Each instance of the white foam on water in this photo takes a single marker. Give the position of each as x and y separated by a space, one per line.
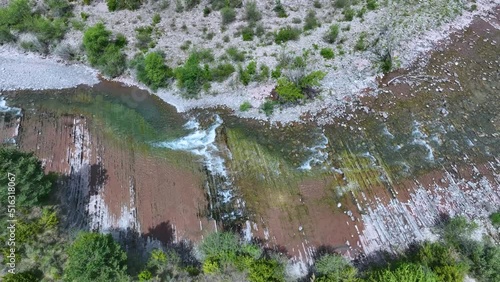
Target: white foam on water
420 138
318 155
6 109
200 142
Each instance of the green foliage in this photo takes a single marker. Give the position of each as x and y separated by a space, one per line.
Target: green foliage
264 73
317 4
103 52
252 13
310 21
5 35
221 246
31 183
26 276
335 268
47 30
285 34
342 3
235 54
206 11
268 107
288 91
59 8
219 4
276 73
15 15
191 76
266 270
406 272
495 218
247 33
156 19
190 4
154 72
143 36
222 71
145 275
311 80
211 266
386 63
371 4
115 5
327 53
245 106
456 230
228 15
361 44
249 73
348 14
332 34
95 257
279 9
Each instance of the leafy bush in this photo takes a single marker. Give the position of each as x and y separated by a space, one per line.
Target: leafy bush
59 8
145 275
248 74
266 270
153 71
6 36
245 106
276 73
25 276
279 9
235 54
264 73
332 34
348 14
252 13
404 272
310 21
95 257
191 76
495 218
286 34
221 72
47 30
190 4
102 51
361 44
32 185
219 4
228 15
386 63
247 33
211 266
371 4
143 36
114 5
156 19
327 53
288 91
15 15
336 268
342 3
221 246
268 108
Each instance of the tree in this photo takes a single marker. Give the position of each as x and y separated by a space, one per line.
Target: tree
24 172
406 272
335 268
95 257
157 72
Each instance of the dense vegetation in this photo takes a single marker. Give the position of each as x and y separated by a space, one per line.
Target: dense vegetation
46 251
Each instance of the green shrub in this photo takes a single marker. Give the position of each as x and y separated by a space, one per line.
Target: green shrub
6 36
222 71
361 12
371 4
268 108
219 4
95 257
47 30
145 275
248 74
15 15
153 71
310 21
286 34
191 76
348 14
156 19
276 73
404 272
266 270
317 4
114 5
220 246
59 8
279 9
235 54
190 4
495 218
206 11
102 51
252 13
247 33
327 53
84 16
32 185
342 3
332 34
204 55
264 73
288 91
245 106
143 36
228 15
25 276
361 44
335 267
386 63
211 266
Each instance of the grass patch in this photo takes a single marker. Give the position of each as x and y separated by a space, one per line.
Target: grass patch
285 34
